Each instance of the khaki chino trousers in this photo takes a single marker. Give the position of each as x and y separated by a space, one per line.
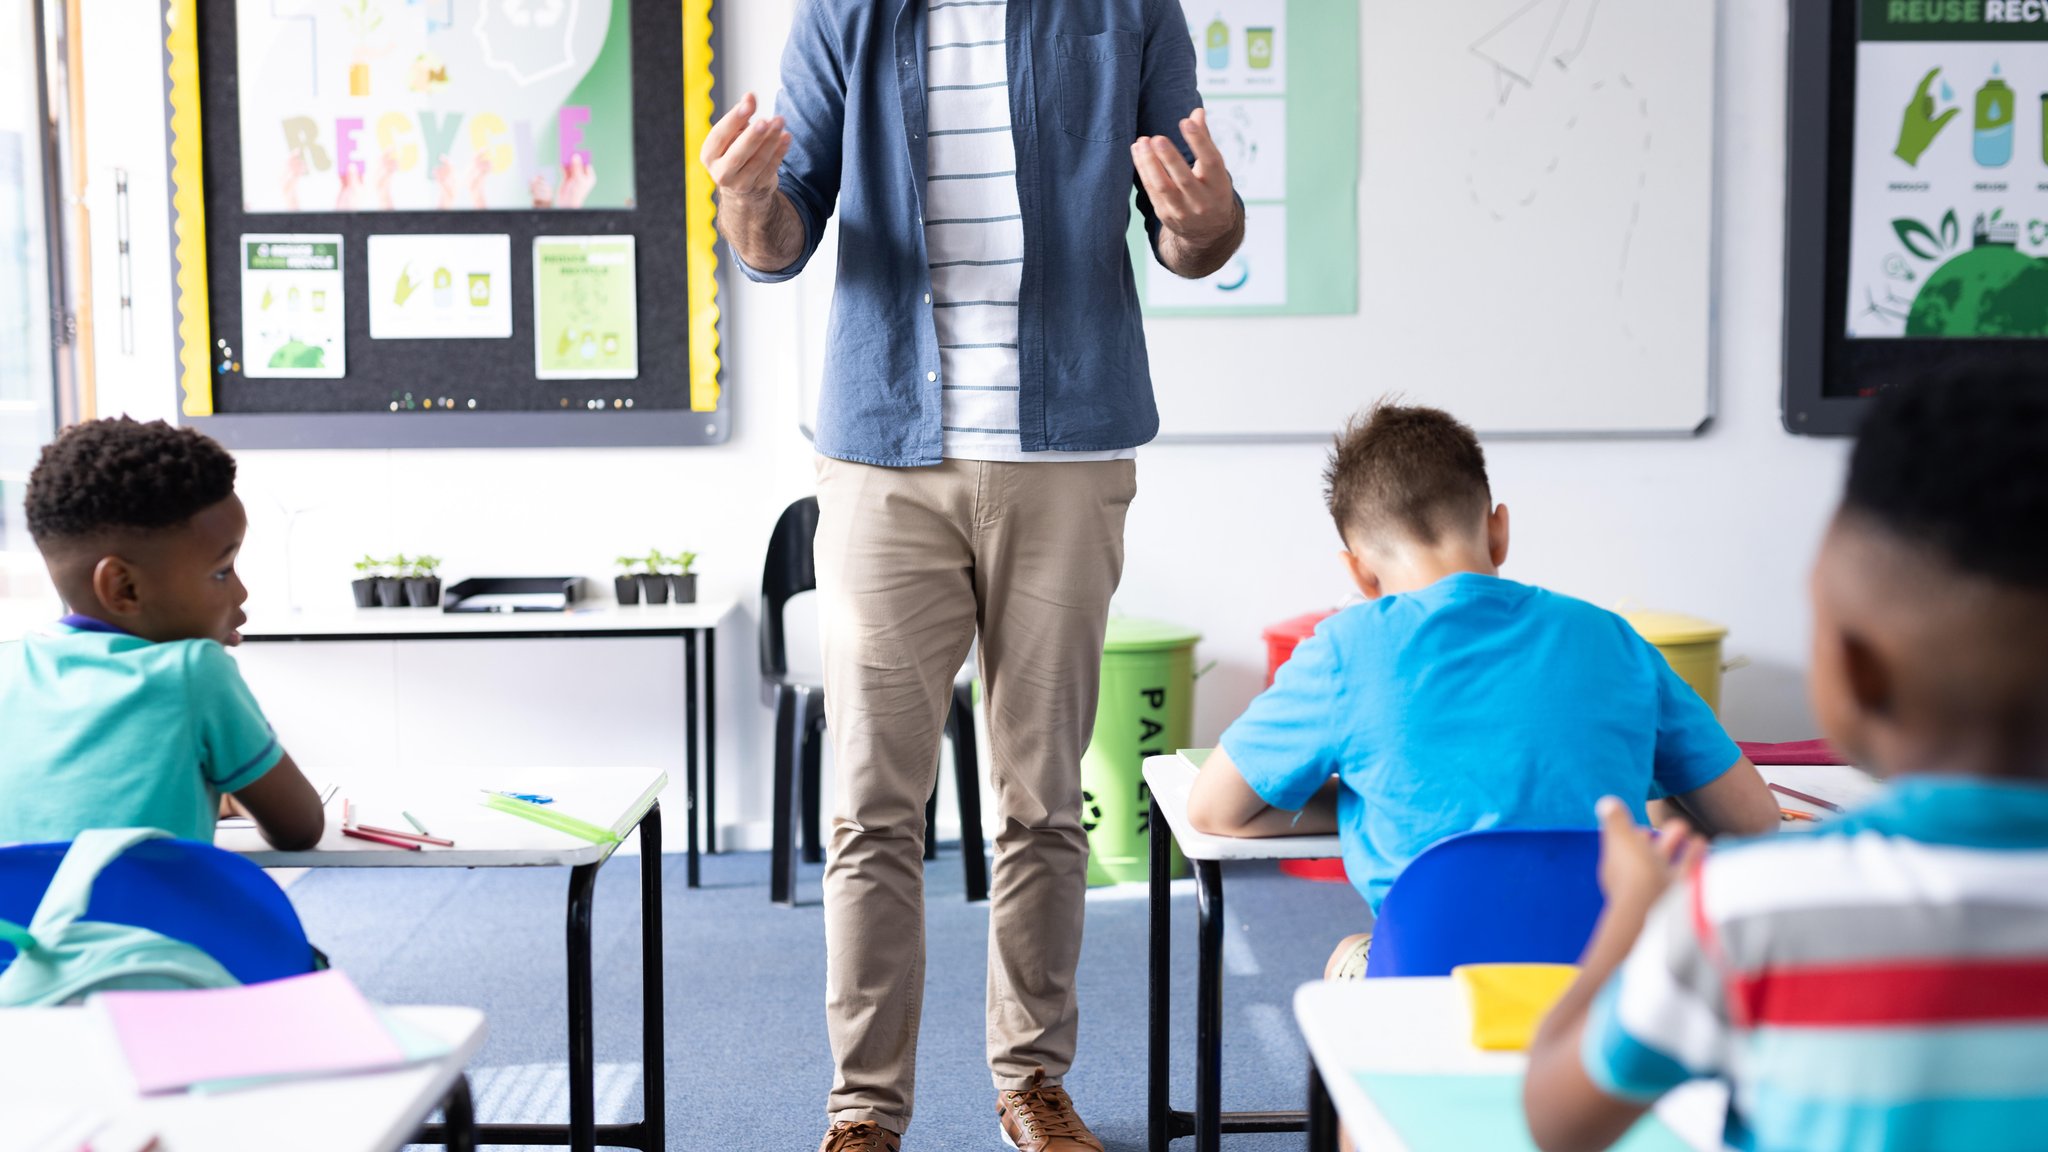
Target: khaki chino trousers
914 564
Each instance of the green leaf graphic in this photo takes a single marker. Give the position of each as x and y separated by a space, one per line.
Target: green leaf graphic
1950 230
1917 239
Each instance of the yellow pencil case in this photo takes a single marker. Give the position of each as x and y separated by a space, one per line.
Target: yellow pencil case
1508 1001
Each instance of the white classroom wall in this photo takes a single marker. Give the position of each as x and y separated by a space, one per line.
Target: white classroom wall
1224 538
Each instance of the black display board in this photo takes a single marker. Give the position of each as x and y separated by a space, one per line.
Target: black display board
1930 119
398 392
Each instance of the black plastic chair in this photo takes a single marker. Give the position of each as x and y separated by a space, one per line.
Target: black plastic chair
800 724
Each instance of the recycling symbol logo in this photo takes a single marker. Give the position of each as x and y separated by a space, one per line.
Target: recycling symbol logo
527 40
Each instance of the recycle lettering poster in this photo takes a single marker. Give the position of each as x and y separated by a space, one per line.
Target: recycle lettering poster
1949 197
435 105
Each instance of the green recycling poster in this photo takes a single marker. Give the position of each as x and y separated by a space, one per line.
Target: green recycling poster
586 320
1280 82
1949 197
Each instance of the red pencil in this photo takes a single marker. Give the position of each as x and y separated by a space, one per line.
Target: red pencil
407 835
1797 795
394 841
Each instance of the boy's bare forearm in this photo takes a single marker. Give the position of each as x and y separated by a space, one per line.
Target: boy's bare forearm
764 229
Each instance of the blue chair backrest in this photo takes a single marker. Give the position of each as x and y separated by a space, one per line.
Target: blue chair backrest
209 898
1497 897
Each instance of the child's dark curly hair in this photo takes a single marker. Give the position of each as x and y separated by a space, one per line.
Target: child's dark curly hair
1959 465
120 473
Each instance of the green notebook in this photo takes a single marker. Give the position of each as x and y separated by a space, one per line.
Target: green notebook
1463 1113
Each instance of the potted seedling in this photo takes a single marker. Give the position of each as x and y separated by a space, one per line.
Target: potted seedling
390 586
365 584
653 585
682 581
423 582
625 587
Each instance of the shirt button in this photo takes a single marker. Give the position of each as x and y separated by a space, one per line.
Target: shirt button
906 61
930 376
927 297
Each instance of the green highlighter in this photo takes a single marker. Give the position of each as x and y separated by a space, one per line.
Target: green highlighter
549 818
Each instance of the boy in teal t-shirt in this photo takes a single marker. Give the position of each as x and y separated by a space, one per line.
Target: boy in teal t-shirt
129 712
1453 700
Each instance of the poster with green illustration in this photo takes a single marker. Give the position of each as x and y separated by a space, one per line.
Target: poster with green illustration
1948 233
1280 85
294 325
436 105
586 320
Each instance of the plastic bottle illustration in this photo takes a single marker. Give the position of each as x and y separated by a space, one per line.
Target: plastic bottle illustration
1219 43
1994 122
444 288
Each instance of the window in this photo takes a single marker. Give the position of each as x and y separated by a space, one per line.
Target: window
36 329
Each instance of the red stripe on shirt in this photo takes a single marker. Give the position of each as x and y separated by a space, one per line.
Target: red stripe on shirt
1951 992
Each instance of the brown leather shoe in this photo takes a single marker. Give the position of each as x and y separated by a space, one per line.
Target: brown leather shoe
1041 1119
859 1136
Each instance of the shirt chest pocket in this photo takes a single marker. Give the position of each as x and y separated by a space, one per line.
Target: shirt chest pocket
1099 85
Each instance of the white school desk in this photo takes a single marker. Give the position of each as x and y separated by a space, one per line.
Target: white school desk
1420 1026
1169 779
449 804
592 620
62 1074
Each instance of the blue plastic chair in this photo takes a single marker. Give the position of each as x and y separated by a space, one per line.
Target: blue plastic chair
1496 897
209 898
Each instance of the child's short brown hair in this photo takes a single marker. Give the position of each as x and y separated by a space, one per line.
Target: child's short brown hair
1412 472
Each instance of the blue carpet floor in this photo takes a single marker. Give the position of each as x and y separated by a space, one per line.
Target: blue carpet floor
748 1066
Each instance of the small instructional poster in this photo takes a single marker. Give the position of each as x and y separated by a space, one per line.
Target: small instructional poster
452 287
1279 80
293 323
586 319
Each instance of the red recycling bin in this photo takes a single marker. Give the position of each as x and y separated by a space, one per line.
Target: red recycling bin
1280 641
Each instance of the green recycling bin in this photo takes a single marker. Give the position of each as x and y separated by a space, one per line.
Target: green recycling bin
1146 708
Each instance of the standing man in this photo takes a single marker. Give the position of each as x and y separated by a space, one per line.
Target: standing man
985 391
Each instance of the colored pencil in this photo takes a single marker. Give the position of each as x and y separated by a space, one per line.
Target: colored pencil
1781 790
393 841
406 835
415 822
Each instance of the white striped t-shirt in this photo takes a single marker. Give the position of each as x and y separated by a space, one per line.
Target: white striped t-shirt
974 232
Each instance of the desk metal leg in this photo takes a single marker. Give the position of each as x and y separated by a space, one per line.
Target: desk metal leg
690 757
653 1060
1322 1115
711 741
460 1114
1158 1061
1209 1006
582 1047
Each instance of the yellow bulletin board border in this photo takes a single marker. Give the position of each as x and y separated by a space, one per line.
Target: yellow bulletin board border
188 207
700 211
188 214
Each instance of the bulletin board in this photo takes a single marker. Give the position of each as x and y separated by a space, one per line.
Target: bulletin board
1917 200
445 223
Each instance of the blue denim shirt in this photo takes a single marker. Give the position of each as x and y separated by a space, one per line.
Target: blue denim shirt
1087 78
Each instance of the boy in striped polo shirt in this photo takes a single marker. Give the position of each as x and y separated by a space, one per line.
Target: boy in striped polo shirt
1881 983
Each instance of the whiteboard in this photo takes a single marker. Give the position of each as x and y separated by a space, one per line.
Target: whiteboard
1535 244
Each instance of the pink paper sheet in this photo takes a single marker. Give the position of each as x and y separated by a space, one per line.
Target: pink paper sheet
309 1025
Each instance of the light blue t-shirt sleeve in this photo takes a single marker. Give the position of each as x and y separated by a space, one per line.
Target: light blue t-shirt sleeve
1287 742
1693 750
236 745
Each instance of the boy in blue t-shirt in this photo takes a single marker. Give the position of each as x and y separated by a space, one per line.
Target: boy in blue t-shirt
1453 700
130 713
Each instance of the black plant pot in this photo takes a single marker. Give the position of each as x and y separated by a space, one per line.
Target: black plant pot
653 589
390 592
365 591
423 591
626 589
684 588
